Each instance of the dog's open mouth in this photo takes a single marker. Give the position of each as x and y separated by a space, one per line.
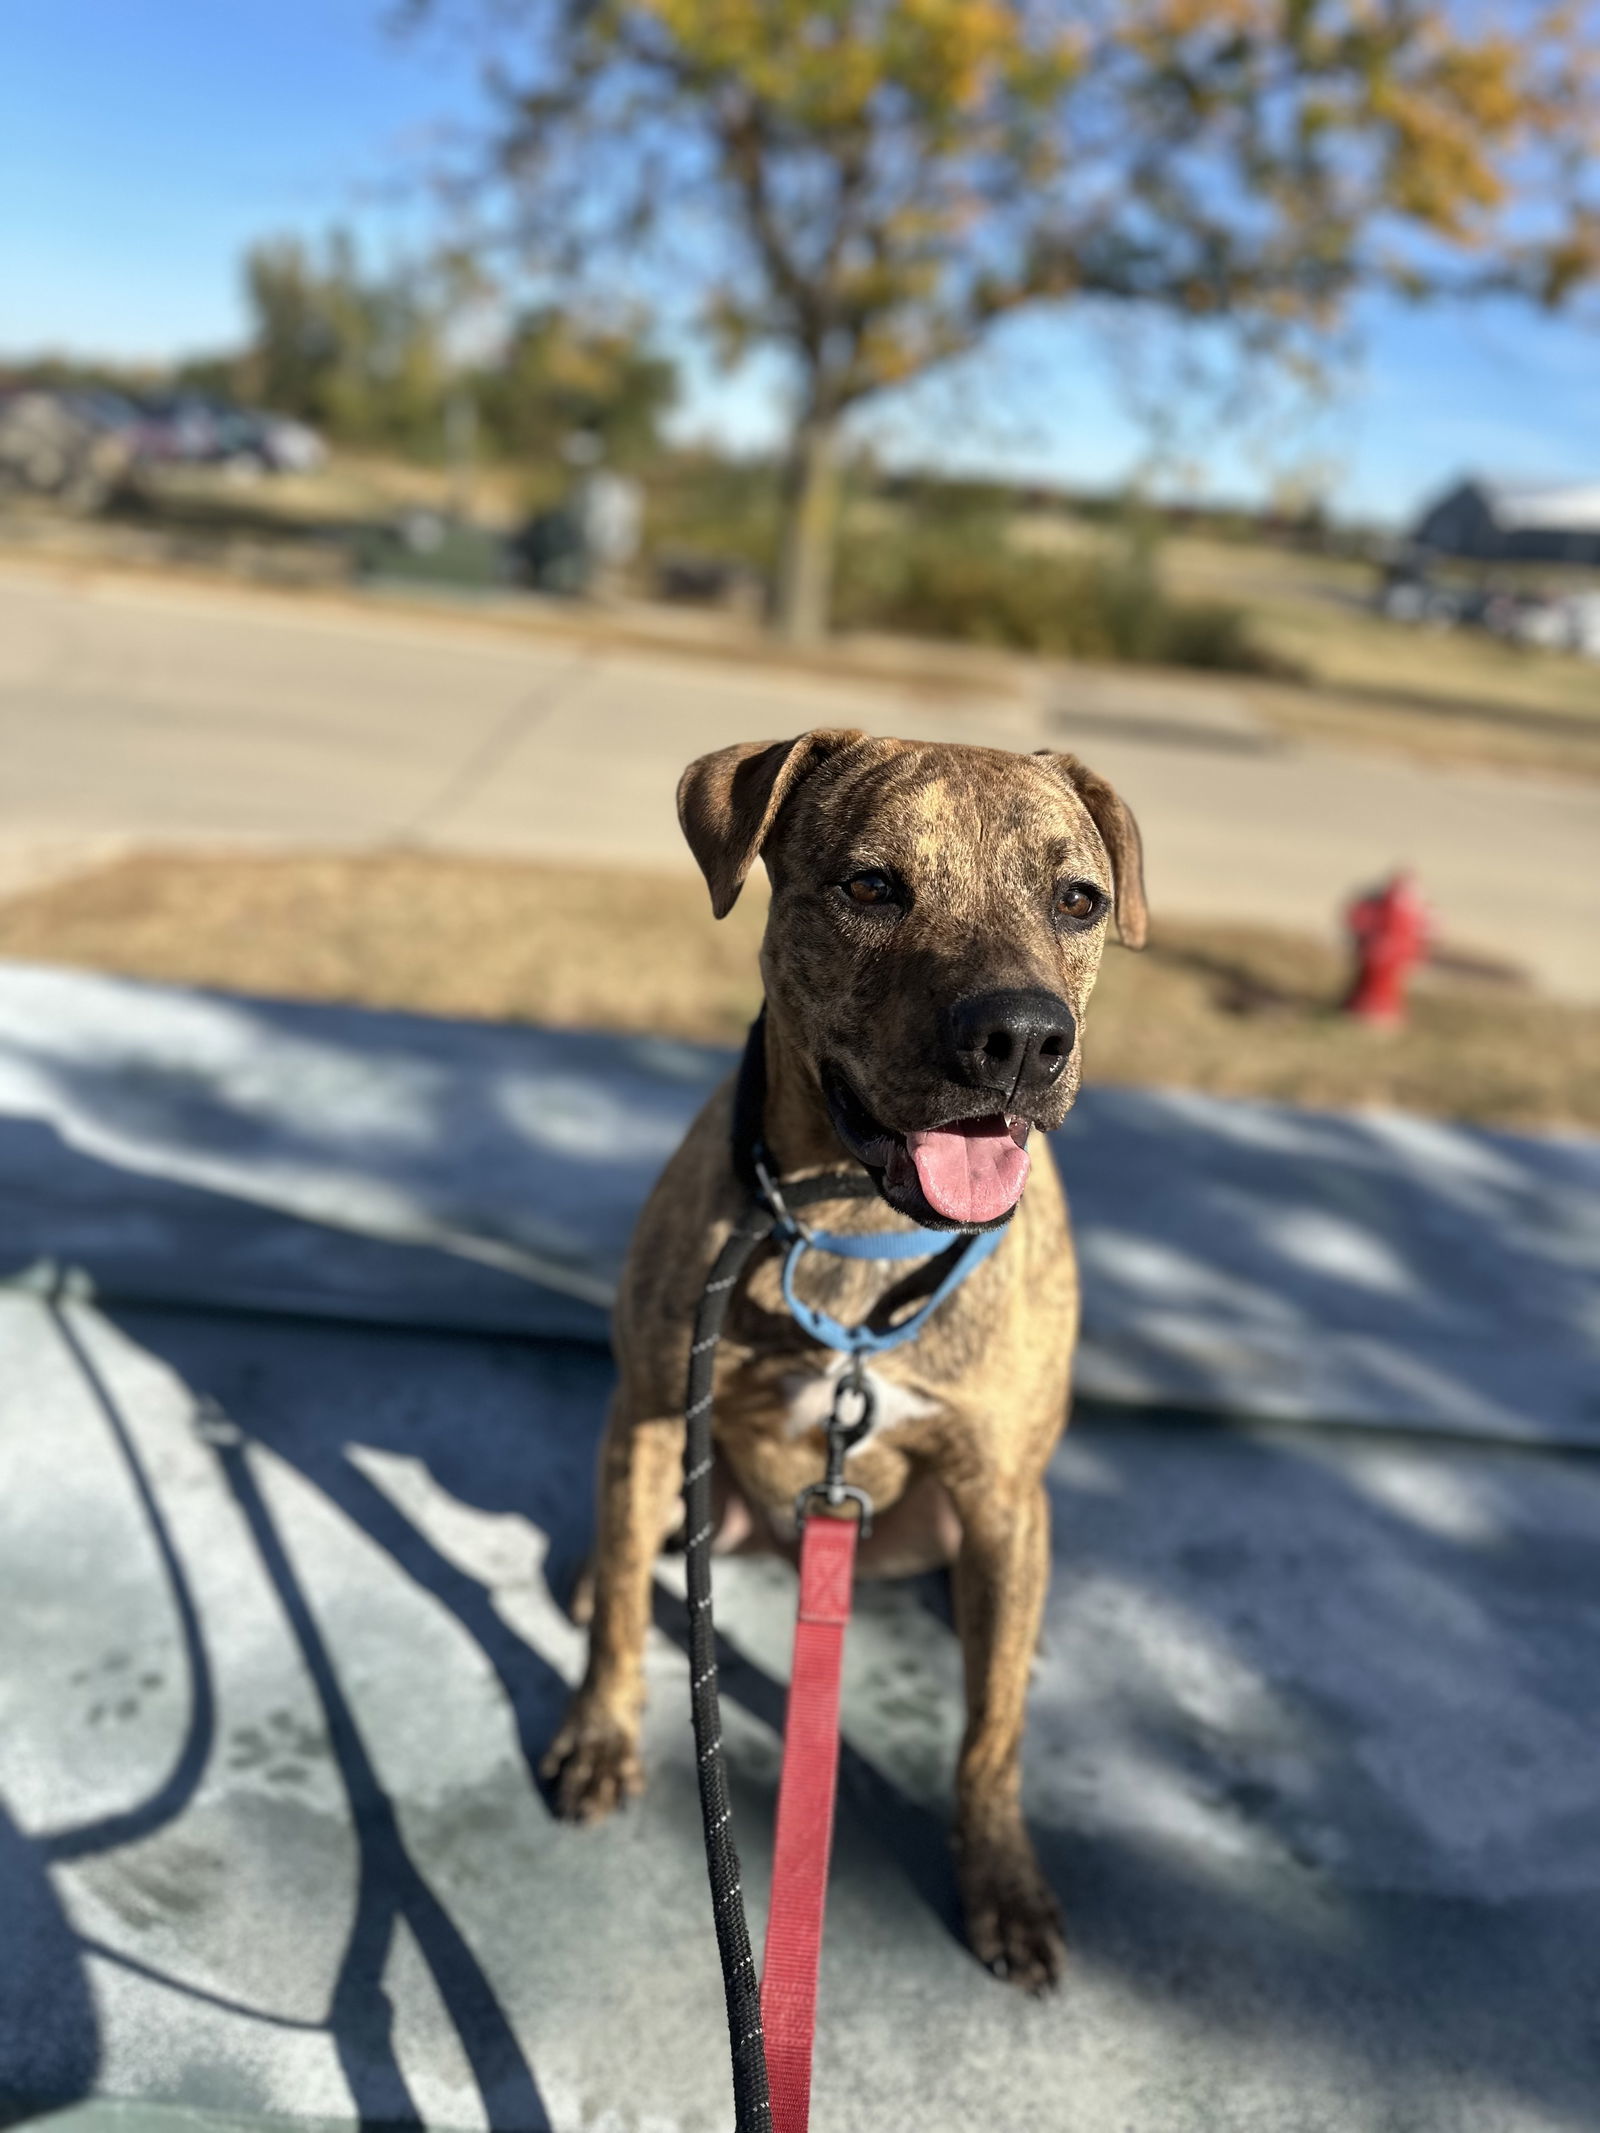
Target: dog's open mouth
964 1175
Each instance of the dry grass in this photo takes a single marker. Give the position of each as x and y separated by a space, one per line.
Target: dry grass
1456 696
1236 1011
1429 729
502 940
351 486
1247 1011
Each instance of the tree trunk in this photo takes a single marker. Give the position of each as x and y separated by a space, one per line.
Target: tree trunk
804 585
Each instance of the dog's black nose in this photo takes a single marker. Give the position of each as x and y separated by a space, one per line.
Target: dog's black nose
1014 1042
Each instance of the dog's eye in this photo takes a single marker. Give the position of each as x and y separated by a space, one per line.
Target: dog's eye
871 886
1079 901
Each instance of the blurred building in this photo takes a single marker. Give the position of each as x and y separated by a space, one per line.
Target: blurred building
1512 522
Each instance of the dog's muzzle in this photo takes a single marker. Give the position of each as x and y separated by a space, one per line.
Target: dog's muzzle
1016 1043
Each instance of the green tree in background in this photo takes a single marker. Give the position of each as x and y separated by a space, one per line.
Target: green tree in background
366 356
360 354
557 373
868 185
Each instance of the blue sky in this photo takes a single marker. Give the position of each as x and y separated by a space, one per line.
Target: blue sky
142 146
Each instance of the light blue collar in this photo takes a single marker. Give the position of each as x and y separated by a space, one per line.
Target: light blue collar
916 1243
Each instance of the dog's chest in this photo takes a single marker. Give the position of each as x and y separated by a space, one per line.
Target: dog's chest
771 1427
807 1398
774 1402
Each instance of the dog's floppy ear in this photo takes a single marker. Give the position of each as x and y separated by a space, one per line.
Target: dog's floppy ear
1113 818
728 802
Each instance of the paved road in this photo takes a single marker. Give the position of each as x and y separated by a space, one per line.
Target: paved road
138 711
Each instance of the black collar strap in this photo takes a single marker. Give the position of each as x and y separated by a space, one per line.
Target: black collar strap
749 1110
752 1161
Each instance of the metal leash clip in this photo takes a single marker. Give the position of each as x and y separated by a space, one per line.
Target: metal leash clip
788 1224
843 1436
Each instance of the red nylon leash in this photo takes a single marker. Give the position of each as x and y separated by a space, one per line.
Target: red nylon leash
804 1838
771 2031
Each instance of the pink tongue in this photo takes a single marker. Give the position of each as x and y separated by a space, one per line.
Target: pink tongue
973 1172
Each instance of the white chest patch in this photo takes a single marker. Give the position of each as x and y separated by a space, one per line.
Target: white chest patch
810 1398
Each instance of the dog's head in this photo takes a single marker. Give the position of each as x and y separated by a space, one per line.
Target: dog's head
938 915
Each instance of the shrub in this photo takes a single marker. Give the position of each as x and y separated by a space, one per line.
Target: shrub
961 579
1210 633
934 559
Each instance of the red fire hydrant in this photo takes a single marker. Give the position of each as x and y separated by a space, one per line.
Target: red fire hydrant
1390 929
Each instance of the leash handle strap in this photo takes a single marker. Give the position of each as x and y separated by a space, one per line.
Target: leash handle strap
804 1839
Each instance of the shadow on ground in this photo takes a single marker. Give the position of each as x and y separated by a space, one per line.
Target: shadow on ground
1307 1761
1243 1256
1310 1755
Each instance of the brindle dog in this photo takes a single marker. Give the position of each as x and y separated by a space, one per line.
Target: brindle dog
937 920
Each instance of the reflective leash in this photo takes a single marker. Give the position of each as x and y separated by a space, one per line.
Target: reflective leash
771 2031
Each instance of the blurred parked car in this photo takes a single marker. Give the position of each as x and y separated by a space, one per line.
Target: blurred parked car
1408 594
107 410
1531 618
190 430
1562 622
709 581
73 448
1584 613
1566 621
277 444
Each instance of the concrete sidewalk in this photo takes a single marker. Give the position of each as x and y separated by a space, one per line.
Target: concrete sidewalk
207 1149
1310 1763
1310 1750
136 711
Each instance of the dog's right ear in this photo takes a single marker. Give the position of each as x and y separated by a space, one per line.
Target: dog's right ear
728 802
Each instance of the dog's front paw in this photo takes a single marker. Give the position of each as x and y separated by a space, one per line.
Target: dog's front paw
1013 1919
593 1765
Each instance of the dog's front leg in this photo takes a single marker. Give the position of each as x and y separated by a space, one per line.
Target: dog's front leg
1013 1922
594 1764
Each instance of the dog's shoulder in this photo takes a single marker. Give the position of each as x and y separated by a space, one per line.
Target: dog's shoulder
684 1223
